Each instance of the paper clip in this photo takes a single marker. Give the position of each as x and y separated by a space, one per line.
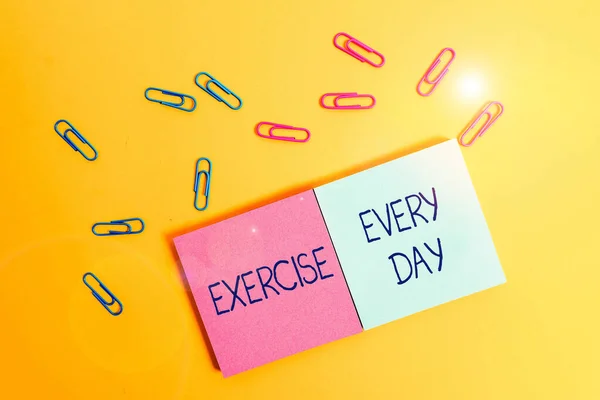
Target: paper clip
199 173
105 304
208 90
339 96
346 49
490 119
281 127
434 82
78 135
178 105
119 223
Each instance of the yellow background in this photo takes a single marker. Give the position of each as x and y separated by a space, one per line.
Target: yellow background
536 172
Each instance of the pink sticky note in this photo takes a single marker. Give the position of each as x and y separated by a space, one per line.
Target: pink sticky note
290 293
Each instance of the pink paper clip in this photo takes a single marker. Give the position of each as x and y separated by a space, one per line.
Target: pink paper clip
434 82
274 127
340 96
490 119
346 49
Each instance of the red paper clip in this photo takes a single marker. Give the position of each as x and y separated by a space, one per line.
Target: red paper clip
340 96
274 127
490 119
346 49
434 82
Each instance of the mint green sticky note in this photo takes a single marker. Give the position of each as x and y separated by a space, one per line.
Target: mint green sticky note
410 234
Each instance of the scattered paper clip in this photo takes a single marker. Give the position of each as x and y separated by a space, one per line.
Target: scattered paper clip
65 136
106 304
199 173
346 49
121 223
490 119
208 90
434 82
177 105
339 96
281 127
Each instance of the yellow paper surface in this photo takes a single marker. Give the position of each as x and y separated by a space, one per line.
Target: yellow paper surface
536 172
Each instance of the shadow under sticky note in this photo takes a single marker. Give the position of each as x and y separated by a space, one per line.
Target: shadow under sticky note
410 234
268 284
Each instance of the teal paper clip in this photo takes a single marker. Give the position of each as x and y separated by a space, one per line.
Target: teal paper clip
208 90
98 296
121 223
199 173
178 105
65 136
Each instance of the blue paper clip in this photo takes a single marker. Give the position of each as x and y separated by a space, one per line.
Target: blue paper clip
178 105
121 223
78 135
98 297
199 173
208 90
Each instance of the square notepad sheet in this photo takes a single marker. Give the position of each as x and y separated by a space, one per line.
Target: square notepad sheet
267 283
410 234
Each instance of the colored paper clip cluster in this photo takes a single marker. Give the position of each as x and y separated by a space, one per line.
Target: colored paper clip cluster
120 223
427 76
274 127
490 119
207 89
65 136
345 47
342 96
199 173
178 105
106 304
